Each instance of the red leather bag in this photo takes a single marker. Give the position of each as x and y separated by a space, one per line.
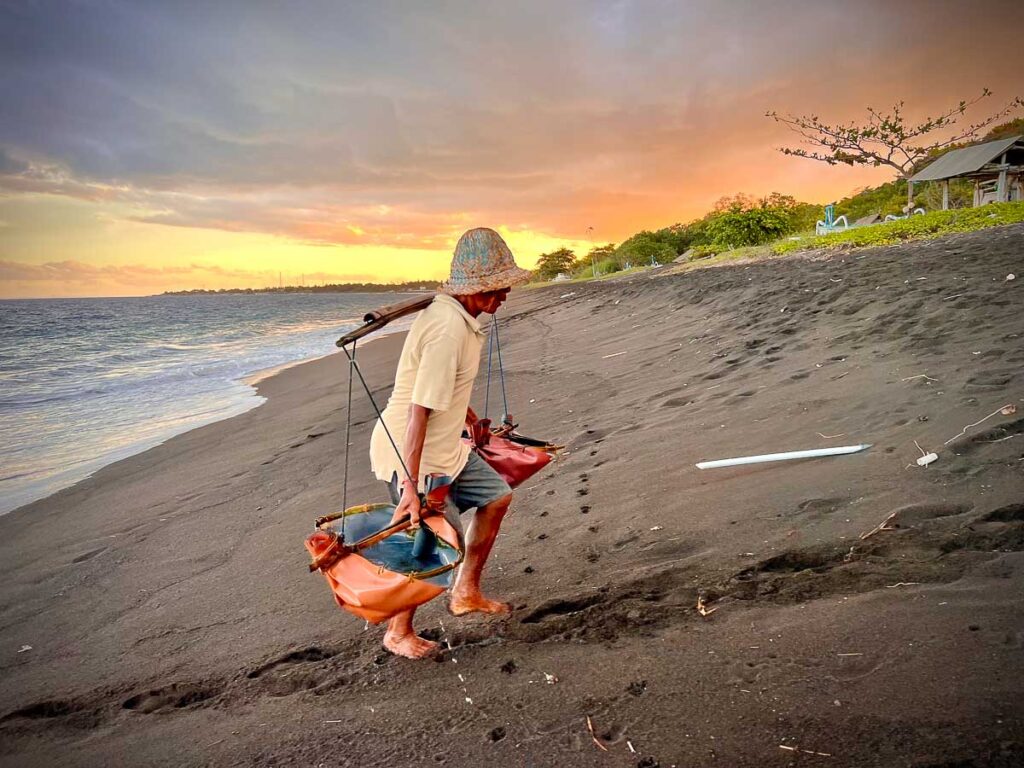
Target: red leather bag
379 572
513 456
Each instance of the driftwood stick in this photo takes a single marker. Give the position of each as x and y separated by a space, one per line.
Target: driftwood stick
590 727
882 526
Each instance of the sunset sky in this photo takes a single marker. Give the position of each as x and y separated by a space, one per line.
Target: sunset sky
151 146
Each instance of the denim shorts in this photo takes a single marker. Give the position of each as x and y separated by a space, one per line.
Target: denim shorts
477 485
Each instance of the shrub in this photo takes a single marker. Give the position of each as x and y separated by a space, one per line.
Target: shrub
742 220
758 225
643 248
703 252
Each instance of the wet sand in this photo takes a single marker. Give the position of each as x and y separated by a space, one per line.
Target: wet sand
172 621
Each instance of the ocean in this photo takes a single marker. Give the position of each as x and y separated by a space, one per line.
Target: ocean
86 382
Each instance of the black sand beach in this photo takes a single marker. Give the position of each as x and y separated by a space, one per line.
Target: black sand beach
172 620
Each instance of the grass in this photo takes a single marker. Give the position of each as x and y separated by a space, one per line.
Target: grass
751 252
924 227
586 278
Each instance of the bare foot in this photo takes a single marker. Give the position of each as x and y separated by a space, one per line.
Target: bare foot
460 605
410 646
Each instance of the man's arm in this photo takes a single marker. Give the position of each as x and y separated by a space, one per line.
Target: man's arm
415 435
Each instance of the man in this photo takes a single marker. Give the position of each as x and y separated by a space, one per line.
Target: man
428 410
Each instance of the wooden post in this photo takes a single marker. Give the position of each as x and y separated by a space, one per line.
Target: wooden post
910 197
945 194
1001 196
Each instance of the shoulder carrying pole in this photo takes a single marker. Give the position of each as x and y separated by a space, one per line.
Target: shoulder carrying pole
378 318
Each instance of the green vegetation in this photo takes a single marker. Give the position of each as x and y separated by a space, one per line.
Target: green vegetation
741 221
735 222
919 227
1010 128
892 198
648 248
758 229
550 265
882 200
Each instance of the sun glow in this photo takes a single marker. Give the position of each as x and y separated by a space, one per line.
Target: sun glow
110 254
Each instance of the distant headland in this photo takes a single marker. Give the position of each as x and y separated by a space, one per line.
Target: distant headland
411 286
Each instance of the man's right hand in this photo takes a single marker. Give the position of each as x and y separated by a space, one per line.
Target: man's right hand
408 505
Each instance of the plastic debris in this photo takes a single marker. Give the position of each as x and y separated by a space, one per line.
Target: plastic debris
927 459
25 648
805 751
702 608
838 451
1007 410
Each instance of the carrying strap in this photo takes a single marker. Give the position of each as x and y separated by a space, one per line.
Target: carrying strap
353 367
494 342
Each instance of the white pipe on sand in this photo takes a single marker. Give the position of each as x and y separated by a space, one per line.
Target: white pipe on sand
840 451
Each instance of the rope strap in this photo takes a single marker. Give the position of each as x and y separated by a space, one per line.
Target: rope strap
494 342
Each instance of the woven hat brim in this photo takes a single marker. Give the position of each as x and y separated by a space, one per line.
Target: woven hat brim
507 278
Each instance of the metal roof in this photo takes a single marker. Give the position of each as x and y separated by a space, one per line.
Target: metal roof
966 160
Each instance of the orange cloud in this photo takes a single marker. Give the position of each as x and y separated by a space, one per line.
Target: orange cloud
366 137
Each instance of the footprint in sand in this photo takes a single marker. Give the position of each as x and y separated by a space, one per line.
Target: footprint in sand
676 402
284 676
175 696
88 555
918 513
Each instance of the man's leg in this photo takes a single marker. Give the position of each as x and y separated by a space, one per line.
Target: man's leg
402 640
483 530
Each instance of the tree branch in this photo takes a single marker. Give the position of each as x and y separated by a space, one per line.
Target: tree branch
885 136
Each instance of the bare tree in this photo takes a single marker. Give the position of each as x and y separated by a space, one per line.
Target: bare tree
887 138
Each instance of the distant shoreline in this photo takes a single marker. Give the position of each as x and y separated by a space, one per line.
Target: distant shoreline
417 286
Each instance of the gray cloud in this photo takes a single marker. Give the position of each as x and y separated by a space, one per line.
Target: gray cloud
9 165
303 119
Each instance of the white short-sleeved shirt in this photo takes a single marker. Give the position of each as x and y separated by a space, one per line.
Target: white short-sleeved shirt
437 369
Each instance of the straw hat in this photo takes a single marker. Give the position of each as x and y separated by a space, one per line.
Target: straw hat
482 262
